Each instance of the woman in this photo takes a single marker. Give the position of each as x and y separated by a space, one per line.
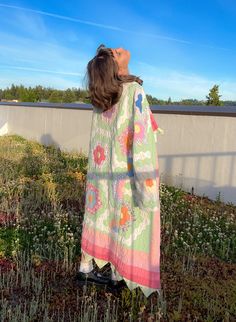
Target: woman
122 209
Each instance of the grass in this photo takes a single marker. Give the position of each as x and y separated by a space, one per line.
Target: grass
42 193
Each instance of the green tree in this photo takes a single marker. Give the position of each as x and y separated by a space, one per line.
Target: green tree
169 101
8 95
69 96
39 91
27 95
55 97
77 92
13 91
84 96
213 98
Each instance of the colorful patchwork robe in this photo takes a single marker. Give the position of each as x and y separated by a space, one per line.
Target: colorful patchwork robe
122 208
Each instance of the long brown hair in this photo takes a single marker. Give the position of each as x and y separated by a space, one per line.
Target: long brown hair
103 82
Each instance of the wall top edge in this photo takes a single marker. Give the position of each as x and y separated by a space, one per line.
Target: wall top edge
159 109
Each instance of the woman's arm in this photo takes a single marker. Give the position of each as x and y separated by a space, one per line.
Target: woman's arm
144 152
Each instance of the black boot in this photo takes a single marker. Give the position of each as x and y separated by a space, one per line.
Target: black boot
93 277
114 285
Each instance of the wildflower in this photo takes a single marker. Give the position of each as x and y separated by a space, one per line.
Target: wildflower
14 253
2 254
36 259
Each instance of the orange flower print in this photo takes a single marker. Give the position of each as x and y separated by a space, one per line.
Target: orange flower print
125 215
99 154
126 140
150 184
125 219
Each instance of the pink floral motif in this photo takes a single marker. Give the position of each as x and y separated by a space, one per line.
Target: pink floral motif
93 202
99 154
108 114
120 189
139 131
126 140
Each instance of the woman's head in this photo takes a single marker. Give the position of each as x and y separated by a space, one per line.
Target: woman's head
122 57
105 74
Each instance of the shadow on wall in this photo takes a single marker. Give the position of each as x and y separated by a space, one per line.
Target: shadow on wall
47 139
188 163
191 168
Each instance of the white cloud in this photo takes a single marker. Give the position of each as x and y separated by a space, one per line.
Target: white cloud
163 83
40 54
38 70
31 24
47 80
99 25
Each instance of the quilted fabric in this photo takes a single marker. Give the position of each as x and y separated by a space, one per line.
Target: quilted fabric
122 208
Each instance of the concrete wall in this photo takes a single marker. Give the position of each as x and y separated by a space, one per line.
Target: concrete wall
200 152
65 128
197 150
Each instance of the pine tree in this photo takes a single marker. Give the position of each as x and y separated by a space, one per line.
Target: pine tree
27 95
169 101
213 98
55 97
69 96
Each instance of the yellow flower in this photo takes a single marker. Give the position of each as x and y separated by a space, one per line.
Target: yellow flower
14 253
36 259
2 254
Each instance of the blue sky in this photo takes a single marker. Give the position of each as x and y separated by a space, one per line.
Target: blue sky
180 48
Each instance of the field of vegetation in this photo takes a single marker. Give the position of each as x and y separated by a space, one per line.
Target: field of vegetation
42 194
